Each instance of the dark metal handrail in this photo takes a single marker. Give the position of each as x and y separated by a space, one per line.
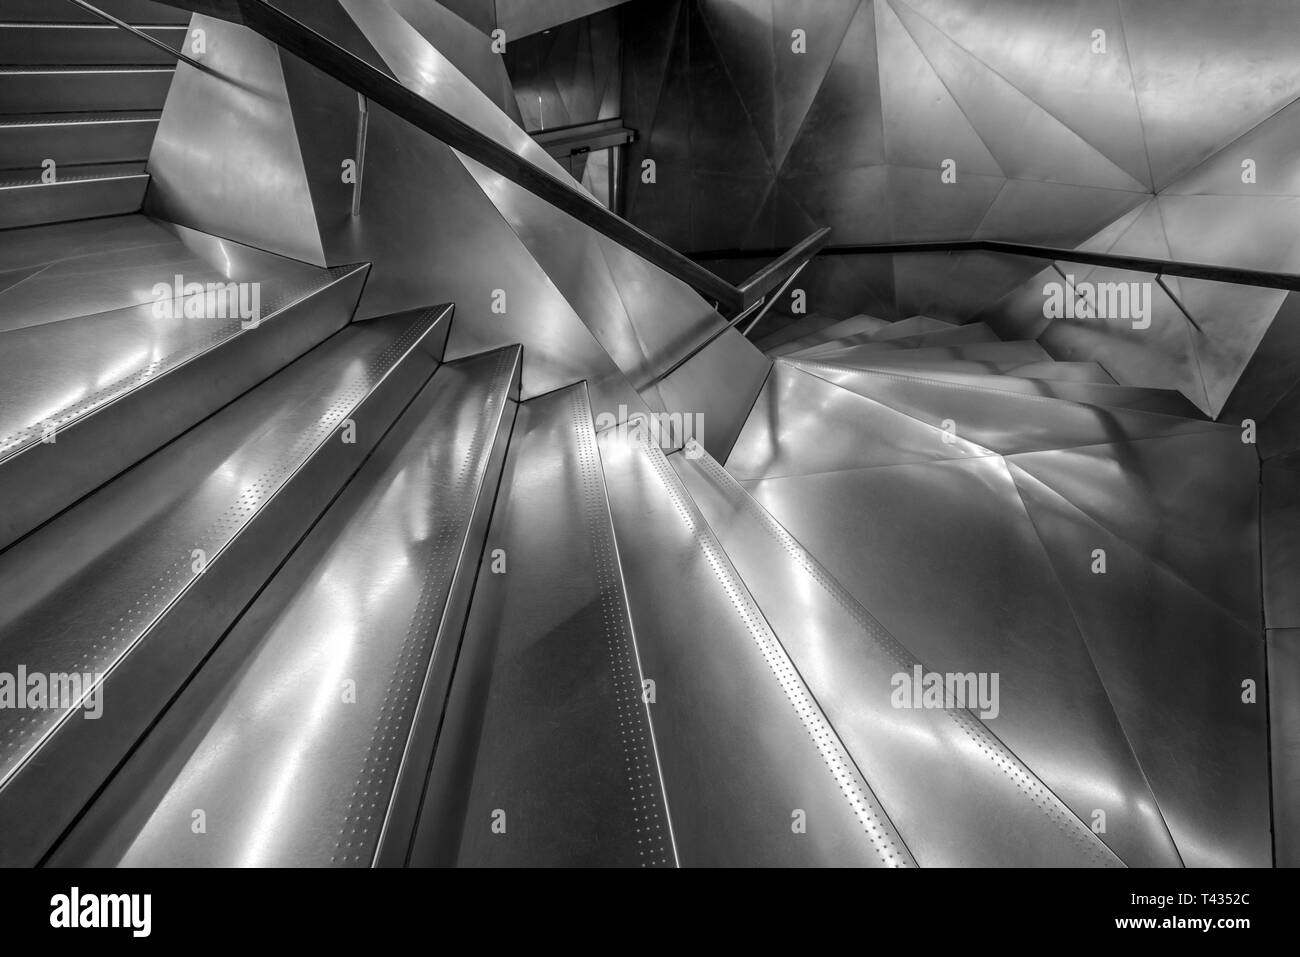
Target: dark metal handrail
136 31
780 269
1160 267
379 87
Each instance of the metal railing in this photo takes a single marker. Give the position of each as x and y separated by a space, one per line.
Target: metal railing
381 88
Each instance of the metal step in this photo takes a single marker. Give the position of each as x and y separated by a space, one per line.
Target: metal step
82 88
1160 401
135 584
84 398
839 330
79 192
915 325
793 329
867 342
546 756
981 415
1063 372
955 805
295 773
54 44
134 12
755 772
1025 351
72 139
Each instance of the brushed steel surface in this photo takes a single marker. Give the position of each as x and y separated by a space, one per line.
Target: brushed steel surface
1161 401
1006 422
105 192
1280 554
970 332
1191 106
463 44
1155 494
115 588
97 266
545 732
136 12
65 89
40 44
289 771
911 326
840 329
928 549
1284 705
215 132
1015 351
954 805
114 387
802 424
76 138
1044 50
1173 664
742 743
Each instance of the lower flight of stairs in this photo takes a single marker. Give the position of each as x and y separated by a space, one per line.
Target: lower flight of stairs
371 607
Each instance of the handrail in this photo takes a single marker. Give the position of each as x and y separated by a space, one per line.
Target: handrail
757 290
1160 267
780 269
135 31
379 87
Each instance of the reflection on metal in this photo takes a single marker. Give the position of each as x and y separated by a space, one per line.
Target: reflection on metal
856 463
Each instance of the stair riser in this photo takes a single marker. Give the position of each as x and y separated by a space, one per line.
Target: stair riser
74 199
135 12
92 91
108 141
101 45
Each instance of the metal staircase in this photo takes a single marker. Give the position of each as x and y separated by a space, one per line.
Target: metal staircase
80 101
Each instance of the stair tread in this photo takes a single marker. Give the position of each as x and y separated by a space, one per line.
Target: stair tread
391 548
545 717
69 378
727 694
956 804
111 586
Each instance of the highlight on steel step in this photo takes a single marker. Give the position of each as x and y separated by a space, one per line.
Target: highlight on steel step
659 433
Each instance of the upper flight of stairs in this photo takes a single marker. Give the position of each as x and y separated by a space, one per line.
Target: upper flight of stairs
86 95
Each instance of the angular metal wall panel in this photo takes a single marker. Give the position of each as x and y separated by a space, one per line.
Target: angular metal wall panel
1198 94
1046 50
225 159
